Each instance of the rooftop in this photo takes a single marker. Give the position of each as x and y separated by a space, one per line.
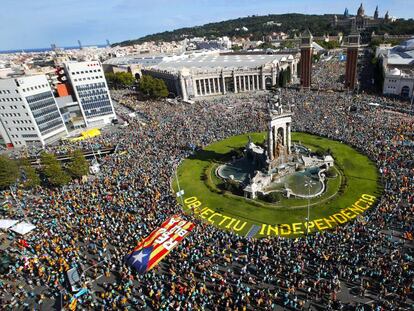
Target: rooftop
217 61
199 61
402 54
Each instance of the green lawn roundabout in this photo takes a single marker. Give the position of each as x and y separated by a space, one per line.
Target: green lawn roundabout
347 197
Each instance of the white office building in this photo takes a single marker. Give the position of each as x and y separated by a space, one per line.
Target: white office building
91 92
29 114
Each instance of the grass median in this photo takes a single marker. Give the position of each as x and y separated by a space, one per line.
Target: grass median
357 175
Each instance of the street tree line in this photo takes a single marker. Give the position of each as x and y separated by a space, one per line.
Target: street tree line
50 172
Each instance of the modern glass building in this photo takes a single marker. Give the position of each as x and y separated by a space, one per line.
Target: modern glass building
29 114
91 91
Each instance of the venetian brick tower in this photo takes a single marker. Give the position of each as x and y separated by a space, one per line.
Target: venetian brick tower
351 61
306 58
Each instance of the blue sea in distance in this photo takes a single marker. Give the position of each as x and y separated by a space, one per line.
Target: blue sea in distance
39 50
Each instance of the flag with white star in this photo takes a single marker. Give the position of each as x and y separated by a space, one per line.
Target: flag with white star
139 259
158 244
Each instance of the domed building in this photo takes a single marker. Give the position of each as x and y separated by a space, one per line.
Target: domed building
360 21
398 65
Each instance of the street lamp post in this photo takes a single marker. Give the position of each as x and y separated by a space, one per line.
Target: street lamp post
178 186
93 152
61 290
308 184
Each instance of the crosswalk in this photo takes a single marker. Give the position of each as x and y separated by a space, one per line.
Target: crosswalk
252 232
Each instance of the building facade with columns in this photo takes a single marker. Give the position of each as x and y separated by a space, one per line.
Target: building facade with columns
216 74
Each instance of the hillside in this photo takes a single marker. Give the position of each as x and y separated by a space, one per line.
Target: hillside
259 26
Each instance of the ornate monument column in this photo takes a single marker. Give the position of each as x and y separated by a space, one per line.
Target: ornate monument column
270 135
279 133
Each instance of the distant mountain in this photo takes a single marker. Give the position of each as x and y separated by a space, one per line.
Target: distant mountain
260 26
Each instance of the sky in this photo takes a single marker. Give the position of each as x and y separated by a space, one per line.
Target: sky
38 23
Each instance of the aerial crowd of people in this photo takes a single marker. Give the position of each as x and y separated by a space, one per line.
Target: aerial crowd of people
92 225
325 74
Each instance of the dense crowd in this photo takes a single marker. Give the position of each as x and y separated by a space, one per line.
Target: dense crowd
93 225
329 73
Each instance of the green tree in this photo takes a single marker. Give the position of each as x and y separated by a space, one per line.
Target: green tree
9 172
53 170
232 186
126 78
120 79
328 45
287 44
146 84
160 89
31 179
320 152
78 165
154 88
267 45
375 42
272 197
315 58
259 26
330 173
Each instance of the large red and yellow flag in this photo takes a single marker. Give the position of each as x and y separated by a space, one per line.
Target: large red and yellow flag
158 244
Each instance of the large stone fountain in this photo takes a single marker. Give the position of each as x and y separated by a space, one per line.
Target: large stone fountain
278 166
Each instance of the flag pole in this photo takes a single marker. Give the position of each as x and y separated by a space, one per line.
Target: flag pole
178 185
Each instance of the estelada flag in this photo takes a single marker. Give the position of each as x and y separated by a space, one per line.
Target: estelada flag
158 244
